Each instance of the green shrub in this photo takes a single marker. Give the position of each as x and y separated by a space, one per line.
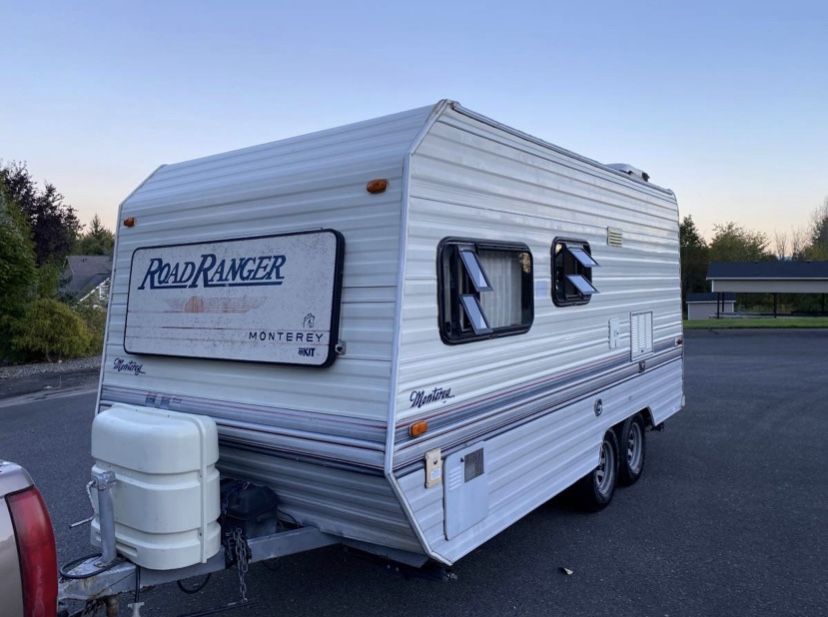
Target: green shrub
50 330
95 319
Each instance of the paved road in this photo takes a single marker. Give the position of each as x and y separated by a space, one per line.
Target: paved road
730 518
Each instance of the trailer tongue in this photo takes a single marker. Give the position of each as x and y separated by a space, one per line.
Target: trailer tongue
160 515
85 580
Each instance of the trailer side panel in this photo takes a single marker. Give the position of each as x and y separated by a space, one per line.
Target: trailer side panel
531 398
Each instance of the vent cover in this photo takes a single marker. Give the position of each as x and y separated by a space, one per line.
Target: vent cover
641 334
473 465
615 237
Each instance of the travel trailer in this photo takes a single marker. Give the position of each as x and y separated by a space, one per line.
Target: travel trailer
405 334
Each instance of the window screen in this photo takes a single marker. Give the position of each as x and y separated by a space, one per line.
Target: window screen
485 289
572 265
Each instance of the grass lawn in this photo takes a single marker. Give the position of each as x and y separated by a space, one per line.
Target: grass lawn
757 322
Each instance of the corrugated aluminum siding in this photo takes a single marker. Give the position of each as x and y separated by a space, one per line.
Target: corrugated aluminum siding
473 180
309 182
530 396
316 435
344 503
531 463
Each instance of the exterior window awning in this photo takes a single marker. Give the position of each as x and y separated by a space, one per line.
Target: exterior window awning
471 305
475 270
584 258
583 286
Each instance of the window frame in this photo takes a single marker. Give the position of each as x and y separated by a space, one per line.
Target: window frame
582 271
455 245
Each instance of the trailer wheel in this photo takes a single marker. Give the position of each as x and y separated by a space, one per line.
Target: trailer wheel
633 450
595 490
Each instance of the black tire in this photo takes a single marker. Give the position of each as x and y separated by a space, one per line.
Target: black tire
632 441
595 490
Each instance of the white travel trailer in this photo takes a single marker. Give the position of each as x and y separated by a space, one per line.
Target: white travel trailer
414 329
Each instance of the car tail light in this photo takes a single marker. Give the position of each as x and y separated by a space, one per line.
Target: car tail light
36 550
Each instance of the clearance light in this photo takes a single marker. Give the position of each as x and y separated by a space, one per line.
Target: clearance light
418 428
129 221
377 186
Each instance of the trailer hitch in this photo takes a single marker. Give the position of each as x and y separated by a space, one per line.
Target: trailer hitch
123 576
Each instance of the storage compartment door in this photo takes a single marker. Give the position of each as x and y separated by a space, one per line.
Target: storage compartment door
466 489
641 334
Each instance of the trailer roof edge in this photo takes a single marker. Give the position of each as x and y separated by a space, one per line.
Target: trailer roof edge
550 146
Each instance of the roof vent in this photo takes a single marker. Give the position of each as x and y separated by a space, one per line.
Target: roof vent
630 171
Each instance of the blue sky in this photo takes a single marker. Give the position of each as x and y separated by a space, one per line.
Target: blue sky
724 102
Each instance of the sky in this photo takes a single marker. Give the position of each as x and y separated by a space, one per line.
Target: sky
724 102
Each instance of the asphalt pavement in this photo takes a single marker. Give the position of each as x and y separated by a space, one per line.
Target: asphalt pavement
730 517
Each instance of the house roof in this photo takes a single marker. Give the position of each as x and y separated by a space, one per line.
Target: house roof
710 297
85 272
768 270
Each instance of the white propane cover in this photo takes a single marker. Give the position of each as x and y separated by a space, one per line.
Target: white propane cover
166 495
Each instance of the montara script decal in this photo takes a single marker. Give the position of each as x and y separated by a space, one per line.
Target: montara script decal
214 272
419 398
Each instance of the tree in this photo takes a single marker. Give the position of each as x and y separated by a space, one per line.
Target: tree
97 240
694 258
817 248
53 223
780 245
732 242
799 242
18 280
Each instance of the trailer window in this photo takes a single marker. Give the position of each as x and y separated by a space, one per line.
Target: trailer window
572 265
485 289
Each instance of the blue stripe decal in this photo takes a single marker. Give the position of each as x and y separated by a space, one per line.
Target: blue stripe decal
492 417
358 444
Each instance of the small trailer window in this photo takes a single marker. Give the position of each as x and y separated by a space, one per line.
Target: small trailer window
572 265
485 289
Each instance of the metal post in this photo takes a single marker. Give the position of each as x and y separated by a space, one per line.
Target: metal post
775 305
103 482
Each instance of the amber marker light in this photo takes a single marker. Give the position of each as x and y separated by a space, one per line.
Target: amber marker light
377 185
418 428
129 221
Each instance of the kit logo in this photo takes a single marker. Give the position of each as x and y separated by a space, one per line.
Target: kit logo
214 272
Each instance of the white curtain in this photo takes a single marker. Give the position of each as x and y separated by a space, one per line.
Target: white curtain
502 304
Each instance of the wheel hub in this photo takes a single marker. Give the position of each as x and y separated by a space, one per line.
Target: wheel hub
605 472
634 447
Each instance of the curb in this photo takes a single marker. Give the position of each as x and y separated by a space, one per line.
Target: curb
27 379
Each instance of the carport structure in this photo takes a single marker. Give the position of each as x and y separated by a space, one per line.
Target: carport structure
774 277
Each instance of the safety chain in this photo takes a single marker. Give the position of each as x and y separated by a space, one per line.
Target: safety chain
242 561
236 548
91 607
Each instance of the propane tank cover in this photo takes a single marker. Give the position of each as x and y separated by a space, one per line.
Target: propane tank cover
166 495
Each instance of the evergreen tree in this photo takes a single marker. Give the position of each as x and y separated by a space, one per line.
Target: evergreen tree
53 223
694 258
97 240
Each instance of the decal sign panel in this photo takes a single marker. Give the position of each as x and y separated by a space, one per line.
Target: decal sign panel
267 299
